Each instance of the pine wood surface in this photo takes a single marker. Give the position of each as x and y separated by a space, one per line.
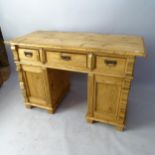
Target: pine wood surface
43 60
99 43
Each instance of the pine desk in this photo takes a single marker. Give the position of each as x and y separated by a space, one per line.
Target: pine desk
43 58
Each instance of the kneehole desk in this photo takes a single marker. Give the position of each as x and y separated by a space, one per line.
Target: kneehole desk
43 58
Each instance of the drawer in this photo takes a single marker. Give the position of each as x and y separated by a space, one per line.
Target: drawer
66 60
29 54
110 65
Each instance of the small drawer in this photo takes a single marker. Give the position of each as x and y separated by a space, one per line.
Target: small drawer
110 65
66 60
29 54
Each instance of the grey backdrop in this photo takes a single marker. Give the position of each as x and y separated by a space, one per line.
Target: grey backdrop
19 17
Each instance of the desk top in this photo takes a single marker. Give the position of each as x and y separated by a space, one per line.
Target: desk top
110 44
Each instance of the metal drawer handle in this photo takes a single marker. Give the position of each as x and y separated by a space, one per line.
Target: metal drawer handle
28 54
110 62
65 57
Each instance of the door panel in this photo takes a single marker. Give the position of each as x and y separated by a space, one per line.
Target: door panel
35 82
107 97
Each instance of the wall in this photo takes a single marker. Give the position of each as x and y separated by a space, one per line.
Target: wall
19 17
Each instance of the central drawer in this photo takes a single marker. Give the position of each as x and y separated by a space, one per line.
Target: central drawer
66 60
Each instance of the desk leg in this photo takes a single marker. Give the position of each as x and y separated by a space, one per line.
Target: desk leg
90 97
51 111
120 128
28 106
90 120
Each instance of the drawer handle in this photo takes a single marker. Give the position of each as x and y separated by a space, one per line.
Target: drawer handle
65 57
28 54
110 62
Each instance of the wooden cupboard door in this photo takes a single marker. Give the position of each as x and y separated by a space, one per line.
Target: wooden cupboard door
107 97
35 82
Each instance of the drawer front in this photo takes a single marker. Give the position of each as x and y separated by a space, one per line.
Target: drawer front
110 65
29 54
66 60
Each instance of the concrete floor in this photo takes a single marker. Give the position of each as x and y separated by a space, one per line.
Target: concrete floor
35 132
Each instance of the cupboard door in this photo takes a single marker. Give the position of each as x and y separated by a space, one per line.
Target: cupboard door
35 81
107 97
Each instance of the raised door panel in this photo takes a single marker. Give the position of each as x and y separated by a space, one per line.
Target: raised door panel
35 83
107 97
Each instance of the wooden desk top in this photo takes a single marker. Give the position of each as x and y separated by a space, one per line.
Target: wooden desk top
110 44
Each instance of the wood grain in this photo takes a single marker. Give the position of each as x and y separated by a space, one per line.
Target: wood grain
98 43
43 60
